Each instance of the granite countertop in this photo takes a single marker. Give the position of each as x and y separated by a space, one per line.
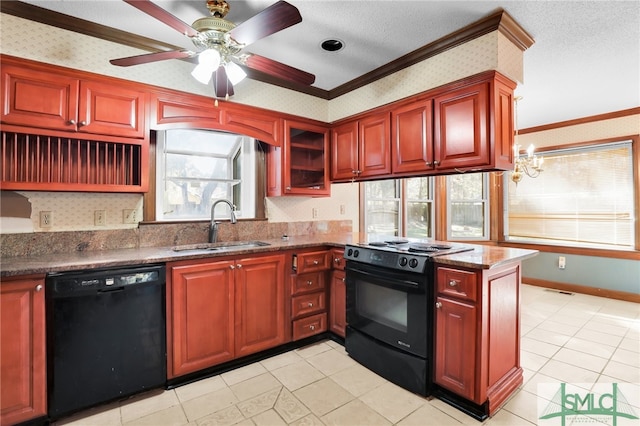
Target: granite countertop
481 257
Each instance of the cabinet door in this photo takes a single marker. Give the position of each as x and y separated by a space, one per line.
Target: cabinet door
200 323
337 303
344 151
412 138
306 159
111 110
455 346
260 313
461 132
39 99
22 351
375 142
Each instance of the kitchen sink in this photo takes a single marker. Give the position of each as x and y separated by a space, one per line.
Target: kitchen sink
222 246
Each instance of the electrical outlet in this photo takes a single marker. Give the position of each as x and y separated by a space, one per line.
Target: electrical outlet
100 217
129 216
314 213
342 208
562 262
46 219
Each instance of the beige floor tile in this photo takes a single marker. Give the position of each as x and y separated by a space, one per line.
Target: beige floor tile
532 385
631 390
289 407
598 337
295 376
523 404
226 416
461 417
588 347
259 403
428 415
622 371
323 396
506 418
255 386
626 357
558 327
172 416
634 331
548 336
334 344
312 350
147 403
199 388
630 344
357 379
268 418
330 362
537 347
616 330
210 403
243 373
393 402
107 415
581 359
308 420
568 373
281 360
354 413
532 361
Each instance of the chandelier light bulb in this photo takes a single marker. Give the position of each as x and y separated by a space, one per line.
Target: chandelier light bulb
235 73
208 62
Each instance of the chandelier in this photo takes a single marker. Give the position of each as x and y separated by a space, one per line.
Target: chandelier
529 164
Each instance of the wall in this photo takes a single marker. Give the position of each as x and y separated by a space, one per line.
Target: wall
597 272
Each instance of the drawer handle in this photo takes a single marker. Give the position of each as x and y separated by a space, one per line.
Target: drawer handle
453 283
309 282
39 287
312 327
310 305
72 122
344 280
239 265
336 260
232 267
316 262
438 305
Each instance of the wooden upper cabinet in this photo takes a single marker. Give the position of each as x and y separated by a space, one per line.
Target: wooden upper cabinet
412 137
44 99
171 110
361 149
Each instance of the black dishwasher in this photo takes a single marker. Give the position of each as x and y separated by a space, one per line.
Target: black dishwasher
105 336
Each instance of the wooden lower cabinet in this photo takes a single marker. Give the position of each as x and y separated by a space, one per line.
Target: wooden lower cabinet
221 310
337 303
22 350
477 333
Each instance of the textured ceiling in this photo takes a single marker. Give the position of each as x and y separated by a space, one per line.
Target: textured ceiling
585 59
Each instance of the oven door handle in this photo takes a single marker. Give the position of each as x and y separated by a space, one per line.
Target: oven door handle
381 279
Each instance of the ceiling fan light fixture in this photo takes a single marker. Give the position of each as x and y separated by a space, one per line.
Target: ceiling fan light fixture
208 62
202 74
235 73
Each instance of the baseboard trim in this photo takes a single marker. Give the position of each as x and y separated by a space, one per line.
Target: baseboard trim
575 288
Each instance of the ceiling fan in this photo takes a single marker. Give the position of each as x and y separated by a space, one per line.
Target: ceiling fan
220 44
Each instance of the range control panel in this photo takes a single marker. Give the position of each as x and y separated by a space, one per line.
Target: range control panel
387 259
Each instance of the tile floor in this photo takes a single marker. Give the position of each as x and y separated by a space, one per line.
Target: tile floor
576 339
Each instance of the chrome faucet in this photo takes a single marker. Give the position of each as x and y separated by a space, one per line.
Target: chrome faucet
213 227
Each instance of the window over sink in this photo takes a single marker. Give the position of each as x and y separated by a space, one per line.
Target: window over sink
196 167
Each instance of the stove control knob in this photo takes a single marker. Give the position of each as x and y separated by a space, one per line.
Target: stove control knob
403 261
413 263
349 252
356 253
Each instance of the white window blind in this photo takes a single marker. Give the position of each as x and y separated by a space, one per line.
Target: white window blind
583 197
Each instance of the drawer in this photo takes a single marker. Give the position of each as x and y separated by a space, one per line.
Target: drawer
338 259
309 326
314 261
305 283
457 283
308 304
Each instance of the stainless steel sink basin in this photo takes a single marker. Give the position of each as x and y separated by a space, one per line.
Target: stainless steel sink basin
222 246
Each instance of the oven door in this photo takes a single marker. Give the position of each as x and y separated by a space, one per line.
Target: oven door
390 306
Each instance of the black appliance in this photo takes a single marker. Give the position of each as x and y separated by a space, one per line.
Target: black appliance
390 298
105 336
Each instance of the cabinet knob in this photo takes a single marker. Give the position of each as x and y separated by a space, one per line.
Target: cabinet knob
232 267
309 282
239 265
72 122
310 305
288 188
39 287
83 123
428 163
436 163
312 327
453 283
316 262
438 305
344 280
336 260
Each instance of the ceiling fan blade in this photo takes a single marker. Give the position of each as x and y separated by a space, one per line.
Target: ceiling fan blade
162 15
151 57
276 17
222 87
280 70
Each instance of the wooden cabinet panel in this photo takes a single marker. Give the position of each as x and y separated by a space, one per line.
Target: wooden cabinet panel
22 350
174 111
344 151
337 304
455 354
307 304
461 132
264 127
412 140
313 261
338 259
260 314
307 283
309 326
374 154
200 318
305 159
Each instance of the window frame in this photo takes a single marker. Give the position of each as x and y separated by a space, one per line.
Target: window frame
486 209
